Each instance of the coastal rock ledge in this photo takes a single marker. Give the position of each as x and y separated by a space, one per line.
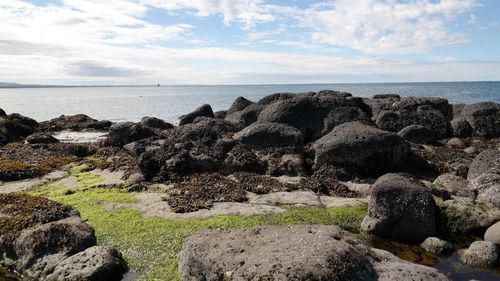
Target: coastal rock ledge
44 240
304 252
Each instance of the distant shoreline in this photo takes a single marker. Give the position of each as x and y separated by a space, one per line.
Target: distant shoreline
34 86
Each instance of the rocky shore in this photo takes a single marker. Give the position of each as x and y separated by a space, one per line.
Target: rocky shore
426 174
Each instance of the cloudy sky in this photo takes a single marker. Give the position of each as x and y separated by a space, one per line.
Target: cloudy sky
248 41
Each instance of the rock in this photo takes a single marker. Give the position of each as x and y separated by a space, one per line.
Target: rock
238 105
387 96
246 116
41 248
2 113
202 111
436 246
41 138
136 148
155 123
480 254
221 114
98 263
487 188
310 114
484 117
77 122
456 143
400 209
15 127
123 133
417 134
393 114
304 252
361 147
455 185
492 234
269 135
38 235
462 216
330 93
267 100
460 128
457 109
487 161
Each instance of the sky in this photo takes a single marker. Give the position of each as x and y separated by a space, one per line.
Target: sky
123 42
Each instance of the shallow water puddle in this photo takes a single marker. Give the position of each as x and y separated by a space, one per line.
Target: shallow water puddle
80 137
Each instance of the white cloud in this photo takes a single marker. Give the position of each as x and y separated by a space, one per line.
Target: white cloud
246 12
386 26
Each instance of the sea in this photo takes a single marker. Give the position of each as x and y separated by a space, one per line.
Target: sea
169 102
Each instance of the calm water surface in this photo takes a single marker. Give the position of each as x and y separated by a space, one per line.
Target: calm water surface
169 102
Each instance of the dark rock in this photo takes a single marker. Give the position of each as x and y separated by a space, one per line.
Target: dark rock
417 134
283 161
269 135
304 252
457 110
41 138
241 159
77 122
202 111
361 147
484 118
238 105
136 148
436 246
480 254
386 96
401 209
123 133
98 263
15 127
246 116
155 123
2 113
267 100
221 114
331 93
487 161
308 114
460 128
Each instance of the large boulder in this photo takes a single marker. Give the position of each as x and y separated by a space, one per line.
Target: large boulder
202 111
309 114
393 114
2 113
460 128
267 100
492 234
417 134
123 133
155 123
77 122
484 117
38 236
247 116
455 185
487 188
38 138
98 263
269 135
238 105
400 208
361 147
331 93
15 127
304 252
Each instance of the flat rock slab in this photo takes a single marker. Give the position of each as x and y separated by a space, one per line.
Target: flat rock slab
109 178
295 198
24 185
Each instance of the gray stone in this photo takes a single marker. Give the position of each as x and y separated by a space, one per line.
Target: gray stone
480 254
484 117
98 263
362 147
41 139
123 133
246 116
401 209
487 188
269 135
436 246
238 105
486 162
455 185
492 234
461 128
417 134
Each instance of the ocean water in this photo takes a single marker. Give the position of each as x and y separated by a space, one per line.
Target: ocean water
169 102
